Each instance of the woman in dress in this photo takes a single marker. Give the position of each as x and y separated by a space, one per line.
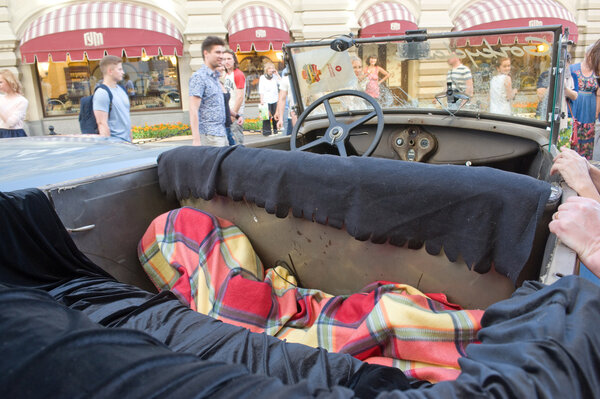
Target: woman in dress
501 91
269 95
13 106
585 108
372 72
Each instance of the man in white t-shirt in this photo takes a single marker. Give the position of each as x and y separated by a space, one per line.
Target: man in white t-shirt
235 83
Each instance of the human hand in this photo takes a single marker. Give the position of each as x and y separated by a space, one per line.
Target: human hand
240 120
279 124
577 225
575 171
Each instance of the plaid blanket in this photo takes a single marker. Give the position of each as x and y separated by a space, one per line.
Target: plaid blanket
211 266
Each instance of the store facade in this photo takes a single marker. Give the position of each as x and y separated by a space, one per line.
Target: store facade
55 46
66 46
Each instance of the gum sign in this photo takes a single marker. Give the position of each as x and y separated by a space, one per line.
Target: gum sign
487 51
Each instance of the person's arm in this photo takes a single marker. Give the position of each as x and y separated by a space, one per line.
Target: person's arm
239 81
577 173
261 88
577 225
541 92
595 176
102 122
385 74
571 94
194 107
510 92
575 81
15 113
597 105
469 87
280 108
101 106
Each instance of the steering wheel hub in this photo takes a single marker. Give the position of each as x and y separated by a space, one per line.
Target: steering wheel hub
338 134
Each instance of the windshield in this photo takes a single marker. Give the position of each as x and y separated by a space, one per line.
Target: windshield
506 74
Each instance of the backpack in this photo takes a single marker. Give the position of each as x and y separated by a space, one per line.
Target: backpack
87 120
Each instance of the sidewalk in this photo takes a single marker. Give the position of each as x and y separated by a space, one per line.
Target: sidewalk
249 137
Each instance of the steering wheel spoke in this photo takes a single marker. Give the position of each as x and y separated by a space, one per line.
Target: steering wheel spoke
362 120
330 113
341 146
337 130
313 144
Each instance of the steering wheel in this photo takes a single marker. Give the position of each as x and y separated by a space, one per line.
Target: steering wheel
338 133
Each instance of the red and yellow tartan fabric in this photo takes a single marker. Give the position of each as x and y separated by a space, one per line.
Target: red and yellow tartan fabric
211 266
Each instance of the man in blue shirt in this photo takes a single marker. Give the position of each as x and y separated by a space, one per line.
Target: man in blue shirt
112 120
207 102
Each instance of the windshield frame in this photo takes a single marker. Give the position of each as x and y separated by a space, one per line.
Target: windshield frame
552 116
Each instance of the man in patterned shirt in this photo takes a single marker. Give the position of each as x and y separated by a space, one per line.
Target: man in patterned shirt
207 103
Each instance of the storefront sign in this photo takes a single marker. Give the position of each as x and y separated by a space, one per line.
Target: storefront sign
395 26
486 50
260 33
93 39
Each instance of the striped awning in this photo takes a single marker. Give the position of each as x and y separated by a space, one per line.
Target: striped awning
99 28
257 27
494 14
386 19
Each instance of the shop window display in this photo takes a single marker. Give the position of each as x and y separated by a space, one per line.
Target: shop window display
151 83
252 65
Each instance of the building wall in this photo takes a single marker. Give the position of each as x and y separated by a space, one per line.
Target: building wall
307 20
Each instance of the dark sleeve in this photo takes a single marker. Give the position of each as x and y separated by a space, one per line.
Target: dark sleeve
50 351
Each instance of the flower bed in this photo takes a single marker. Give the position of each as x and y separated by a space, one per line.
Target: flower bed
162 130
253 124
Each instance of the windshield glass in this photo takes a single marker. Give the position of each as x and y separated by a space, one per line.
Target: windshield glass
500 74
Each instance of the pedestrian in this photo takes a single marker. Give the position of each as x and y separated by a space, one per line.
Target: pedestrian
285 120
226 99
128 85
501 91
207 104
13 106
269 95
585 108
359 72
372 71
113 118
460 79
235 82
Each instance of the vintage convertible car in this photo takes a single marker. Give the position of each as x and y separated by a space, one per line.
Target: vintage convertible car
419 181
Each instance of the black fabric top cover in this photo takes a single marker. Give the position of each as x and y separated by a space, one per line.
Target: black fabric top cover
486 215
35 249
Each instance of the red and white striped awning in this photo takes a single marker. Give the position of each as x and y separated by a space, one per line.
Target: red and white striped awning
257 27
97 28
386 19
494 14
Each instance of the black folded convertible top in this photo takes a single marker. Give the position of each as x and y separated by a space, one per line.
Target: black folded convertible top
487 216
